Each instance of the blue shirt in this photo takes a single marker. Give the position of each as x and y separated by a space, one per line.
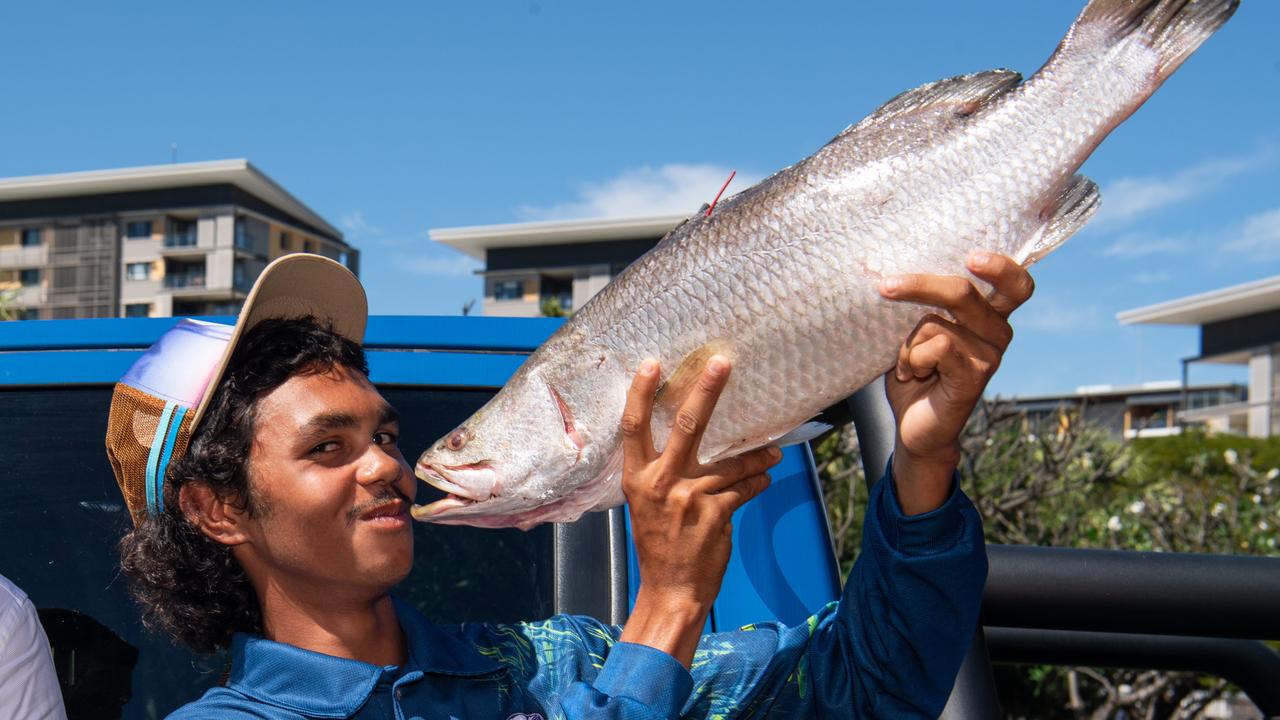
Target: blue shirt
890 647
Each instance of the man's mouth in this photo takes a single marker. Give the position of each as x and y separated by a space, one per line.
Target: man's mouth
393 507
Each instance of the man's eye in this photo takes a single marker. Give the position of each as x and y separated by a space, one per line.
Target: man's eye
385 438
325 447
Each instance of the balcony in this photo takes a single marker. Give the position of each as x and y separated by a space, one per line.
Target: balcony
30 295
185 281
185 238
24 256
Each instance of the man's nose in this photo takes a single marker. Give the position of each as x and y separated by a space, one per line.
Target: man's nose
378 464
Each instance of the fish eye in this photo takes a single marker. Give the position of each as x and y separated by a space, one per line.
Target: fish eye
456 439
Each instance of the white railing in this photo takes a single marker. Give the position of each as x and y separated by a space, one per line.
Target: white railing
18 256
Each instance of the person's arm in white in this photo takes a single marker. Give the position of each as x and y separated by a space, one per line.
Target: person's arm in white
28 682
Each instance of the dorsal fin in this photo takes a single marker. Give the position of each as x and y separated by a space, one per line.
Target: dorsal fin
955 97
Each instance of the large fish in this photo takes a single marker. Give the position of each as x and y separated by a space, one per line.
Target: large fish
782 278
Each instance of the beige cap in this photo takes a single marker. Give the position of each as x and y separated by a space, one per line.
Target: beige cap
296 285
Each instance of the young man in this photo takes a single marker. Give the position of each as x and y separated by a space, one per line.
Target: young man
271 517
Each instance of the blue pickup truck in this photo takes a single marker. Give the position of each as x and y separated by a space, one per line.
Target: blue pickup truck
61 514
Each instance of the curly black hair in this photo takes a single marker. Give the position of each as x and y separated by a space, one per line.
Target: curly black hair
189 585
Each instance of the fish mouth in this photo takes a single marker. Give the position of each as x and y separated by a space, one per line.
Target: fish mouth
465 485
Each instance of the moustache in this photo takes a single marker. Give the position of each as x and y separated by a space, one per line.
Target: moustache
386 496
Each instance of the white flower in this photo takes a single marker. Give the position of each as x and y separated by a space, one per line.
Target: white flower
1218 509
1231 456
1031 438
1273 473
1257 499
1137 507
1263 525
1114 524
990 442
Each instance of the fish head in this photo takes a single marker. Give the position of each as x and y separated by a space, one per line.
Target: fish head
514 454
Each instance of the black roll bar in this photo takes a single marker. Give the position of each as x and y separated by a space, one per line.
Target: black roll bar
1118 591
1250 664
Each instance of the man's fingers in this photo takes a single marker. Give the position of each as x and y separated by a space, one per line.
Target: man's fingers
693 415
729 471
1013 284
637 437
938 345
959 297
740 493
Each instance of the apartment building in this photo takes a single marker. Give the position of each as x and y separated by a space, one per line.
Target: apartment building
1150 409
163 240
532 268
1239 325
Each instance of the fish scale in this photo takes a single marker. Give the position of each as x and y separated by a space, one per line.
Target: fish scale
783 277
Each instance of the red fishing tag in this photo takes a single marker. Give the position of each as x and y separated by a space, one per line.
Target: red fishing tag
722 187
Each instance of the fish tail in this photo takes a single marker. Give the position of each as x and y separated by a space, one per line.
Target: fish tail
1172 28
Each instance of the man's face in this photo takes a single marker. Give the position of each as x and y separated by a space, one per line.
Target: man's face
330 487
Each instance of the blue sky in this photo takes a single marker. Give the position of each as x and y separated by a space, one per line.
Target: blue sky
390 119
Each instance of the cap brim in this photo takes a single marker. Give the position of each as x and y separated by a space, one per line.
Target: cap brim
294 286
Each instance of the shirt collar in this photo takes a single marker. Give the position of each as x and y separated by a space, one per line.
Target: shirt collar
327 686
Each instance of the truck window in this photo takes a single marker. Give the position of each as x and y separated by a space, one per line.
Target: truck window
61 516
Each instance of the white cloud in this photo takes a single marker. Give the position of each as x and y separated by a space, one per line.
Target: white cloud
1259 236
1049 314
453 265
1136 245
355 225
1152 278
669 189
1126 199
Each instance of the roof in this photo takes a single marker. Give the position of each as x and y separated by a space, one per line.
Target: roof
476 239
240 173
1230 302
1154 388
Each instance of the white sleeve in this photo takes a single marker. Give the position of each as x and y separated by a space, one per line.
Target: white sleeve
28 683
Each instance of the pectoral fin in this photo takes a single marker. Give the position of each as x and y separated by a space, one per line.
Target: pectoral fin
680 383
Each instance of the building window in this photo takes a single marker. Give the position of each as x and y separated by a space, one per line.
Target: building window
138 271
508 290
29 277
308 246
182 233
286 241
180 275
28 314
138 229
242 275
137 310
252 234
31 236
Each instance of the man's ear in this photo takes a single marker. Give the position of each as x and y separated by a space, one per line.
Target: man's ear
218 518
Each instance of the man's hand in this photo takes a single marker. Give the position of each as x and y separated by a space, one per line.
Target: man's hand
943 368
681 511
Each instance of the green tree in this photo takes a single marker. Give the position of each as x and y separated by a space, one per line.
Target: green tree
8 305
1068 484
551 307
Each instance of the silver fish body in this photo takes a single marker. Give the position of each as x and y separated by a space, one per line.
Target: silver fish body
783 277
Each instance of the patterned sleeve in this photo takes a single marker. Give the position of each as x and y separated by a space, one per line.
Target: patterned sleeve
890 647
